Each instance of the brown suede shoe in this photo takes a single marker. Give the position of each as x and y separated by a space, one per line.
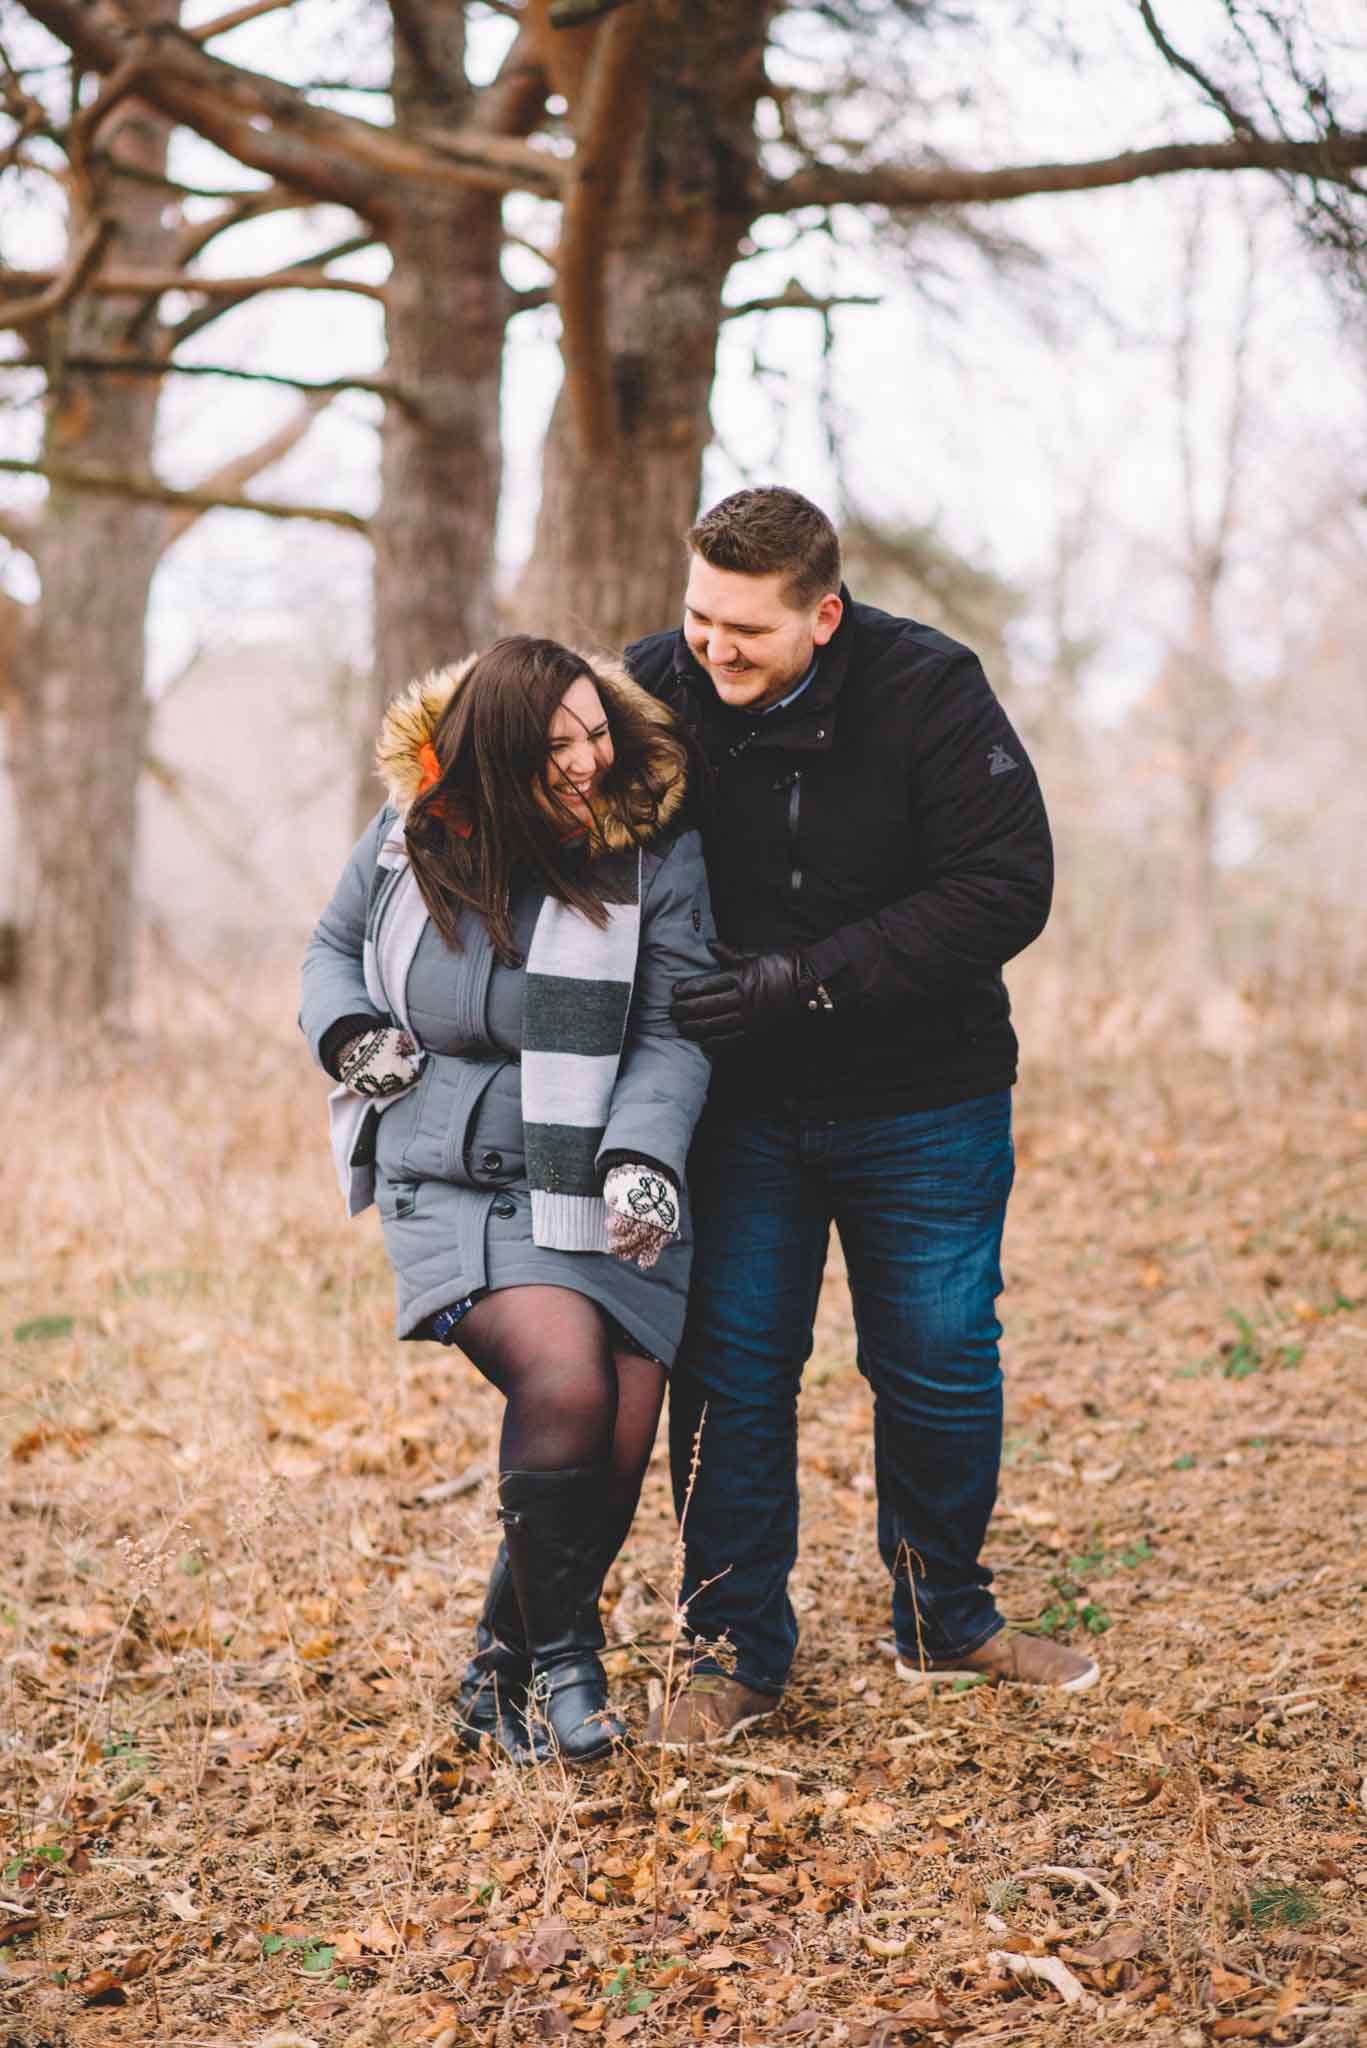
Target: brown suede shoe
1011 1660
709 1711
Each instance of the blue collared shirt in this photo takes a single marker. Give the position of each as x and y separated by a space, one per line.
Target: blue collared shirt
793 694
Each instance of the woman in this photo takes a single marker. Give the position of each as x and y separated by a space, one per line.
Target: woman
490 986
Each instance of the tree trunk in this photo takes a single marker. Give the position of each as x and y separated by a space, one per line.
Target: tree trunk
1208 736
608 560
434 531
81 710
442 445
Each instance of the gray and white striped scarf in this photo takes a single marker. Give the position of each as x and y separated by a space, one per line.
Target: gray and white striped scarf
579 980
574 1020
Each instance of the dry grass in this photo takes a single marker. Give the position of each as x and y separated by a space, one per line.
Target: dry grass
232 1621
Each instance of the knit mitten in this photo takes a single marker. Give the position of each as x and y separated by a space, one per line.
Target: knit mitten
643 1213
381 1062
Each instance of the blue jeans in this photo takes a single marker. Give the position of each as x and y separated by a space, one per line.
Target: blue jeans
919 1201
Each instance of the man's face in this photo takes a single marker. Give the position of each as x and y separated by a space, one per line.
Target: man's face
753 644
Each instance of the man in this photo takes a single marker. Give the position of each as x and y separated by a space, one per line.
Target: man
877 846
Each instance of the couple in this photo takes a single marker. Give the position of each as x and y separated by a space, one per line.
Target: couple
517 990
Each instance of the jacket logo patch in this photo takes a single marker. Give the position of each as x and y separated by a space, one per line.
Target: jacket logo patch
999 762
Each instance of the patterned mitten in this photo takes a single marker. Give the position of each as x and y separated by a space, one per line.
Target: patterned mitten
384 1061
643 1213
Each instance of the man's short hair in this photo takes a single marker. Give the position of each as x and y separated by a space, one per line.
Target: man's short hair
769 530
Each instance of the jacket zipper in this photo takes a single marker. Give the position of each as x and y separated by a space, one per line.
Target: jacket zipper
794 812
792 782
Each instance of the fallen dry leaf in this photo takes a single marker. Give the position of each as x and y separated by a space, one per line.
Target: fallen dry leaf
1118 1945
553 1940
105 1987
925 2012
380 1937
1288 1999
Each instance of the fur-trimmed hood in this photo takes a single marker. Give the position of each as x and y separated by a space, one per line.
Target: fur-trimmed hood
411 720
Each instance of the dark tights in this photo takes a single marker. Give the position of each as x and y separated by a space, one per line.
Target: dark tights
574 1397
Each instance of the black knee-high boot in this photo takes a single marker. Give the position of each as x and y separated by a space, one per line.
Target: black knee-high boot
493 1693
556 1532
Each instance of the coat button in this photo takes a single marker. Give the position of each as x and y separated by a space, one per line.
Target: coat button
505 1209
491 1161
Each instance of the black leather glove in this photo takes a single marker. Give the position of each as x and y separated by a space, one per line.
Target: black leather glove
752 992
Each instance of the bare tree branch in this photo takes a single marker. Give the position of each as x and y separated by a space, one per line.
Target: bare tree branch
152 283
272 127
1328 201
912 188
1240 123
150 490
209 29
796 296
158 366
81 130
62 285
143 176
547 256
231 478
29 115
205 316
512 104
196 235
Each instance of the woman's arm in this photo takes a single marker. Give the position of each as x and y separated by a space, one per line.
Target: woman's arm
662 1079
334 990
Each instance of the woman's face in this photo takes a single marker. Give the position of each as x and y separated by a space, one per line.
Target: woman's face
579 750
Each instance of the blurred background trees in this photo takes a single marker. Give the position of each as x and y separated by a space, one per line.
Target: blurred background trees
516 227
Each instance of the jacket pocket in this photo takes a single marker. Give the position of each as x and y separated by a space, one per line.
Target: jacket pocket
495 1150
983 1010
445 1101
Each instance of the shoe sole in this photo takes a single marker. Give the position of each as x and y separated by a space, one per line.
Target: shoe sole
913 1674
714 1741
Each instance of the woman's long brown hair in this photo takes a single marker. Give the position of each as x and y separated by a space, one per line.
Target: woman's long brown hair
492 743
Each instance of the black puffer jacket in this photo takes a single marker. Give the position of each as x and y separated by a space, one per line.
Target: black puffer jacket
890 824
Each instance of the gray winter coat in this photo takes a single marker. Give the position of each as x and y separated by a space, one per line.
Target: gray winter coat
449 1168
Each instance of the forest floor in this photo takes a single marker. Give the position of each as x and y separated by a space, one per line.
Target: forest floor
245 1536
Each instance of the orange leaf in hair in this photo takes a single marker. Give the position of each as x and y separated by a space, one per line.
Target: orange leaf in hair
430 766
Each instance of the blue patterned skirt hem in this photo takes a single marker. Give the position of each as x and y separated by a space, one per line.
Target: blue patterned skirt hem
441 1326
